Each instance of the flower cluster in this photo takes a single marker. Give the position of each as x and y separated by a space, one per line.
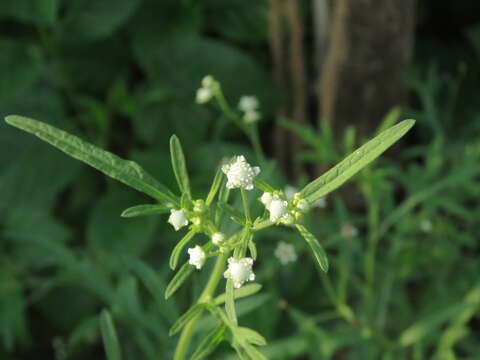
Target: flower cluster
207 91
239 271
197 257
249 106
178 219
285 253
240 174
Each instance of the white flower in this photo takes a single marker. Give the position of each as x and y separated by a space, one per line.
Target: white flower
426 226
177 219
197 257
239 271
303 205
285 253
321 203
203 95
290 192
240 174
278 209
218 238
248 104
348 231
251 116
208 81
266 199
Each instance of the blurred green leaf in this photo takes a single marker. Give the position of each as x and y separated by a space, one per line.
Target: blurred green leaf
109 336
31 11
244 291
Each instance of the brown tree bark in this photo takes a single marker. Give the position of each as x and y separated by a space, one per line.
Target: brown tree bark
369 49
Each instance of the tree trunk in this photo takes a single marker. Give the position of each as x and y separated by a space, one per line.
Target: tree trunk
369 49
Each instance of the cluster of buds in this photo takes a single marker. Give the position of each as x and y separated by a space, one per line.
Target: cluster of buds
239 271
277 207
249 106
207 91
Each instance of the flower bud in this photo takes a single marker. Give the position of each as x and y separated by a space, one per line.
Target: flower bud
197 257
177 219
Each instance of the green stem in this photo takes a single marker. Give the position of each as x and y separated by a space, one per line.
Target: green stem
206 296
245 206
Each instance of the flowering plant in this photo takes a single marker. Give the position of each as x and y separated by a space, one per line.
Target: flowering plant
235 253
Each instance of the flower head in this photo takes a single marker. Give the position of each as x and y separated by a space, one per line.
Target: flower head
266 199
285 253
177 219
218 238
251 116
240 174
426 226
239 271
278 209
204 95
197 257
248 103
348 231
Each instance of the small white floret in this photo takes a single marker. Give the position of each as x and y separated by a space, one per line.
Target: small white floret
204 95
266 199
290 192
251 116
239 271
240 174
197 257
278 209
208 81
426 226
218 238
177 219
285 253
248 104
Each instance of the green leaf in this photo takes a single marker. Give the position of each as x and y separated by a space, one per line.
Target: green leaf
317 249
179 166
251 336
31 11
109 336
217 182
179 247
194 311
210 343
353 163
244 291
179 278
128 172
262 185
234 214
143 210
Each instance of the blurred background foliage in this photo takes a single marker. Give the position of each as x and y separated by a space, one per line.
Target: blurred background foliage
123 75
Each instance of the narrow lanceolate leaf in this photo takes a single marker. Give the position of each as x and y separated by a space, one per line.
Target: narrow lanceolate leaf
262 185
244 291
353 163
210 343
177 250
109 337
179 278
179 165
144 210
251 336
217 182
317 249
128 172
194 311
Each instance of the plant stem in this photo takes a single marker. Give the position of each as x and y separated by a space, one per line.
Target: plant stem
246 209
206 296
